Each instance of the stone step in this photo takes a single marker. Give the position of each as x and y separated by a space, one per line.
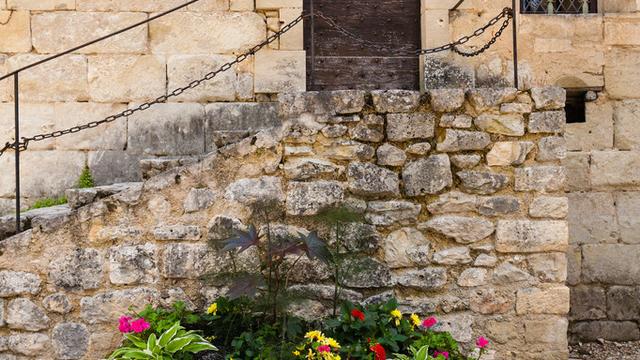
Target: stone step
80 197
155 166
45 217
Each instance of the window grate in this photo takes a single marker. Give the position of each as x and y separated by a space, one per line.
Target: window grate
559 6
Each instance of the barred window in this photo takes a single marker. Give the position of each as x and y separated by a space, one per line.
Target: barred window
558 6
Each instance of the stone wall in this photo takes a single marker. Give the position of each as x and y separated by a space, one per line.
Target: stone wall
134 67
461 195
598 51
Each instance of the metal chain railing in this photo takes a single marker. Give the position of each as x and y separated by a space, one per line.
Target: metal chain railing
507 14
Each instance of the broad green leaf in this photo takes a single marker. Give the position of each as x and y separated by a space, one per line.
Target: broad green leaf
137 341
152 343
177 344
423 353
136 354
198 347
168 335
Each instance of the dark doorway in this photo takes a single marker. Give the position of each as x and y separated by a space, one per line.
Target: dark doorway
336 60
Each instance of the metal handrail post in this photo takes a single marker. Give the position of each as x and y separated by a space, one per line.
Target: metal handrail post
515 43
16 99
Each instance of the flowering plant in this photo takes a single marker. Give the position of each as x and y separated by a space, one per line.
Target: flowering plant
317 346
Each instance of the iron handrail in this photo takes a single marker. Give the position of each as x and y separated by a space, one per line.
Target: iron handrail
100 39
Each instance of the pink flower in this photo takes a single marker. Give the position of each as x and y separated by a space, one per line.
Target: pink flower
125 326
324 348
482 343
139 326
429 322
445 354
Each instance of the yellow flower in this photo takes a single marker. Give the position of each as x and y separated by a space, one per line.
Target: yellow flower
332 342
296 353
415 320
310 355
314 335
397 315
213 309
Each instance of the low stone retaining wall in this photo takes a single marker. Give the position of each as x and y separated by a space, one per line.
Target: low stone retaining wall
461 195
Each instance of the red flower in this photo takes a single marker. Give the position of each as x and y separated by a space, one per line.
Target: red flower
445 354
378 349
357 314
429 322
324 348
482 343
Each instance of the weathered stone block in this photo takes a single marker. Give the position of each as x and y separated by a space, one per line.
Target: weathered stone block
81 269
590 331
621 72
168 129
23 314
58 303
198 199
460 140
64 79
472 277
486 98
549 207
550 267
427 176
623 303
116 78
549 98
597 133
401 245
107 307
547 122
247 117
133 264
127 5
109 167
482 182
628 211
441 73
453 202
509 153
54 32
431 278
453 256
592 218
506 124
390 155
540 178
395 101
15 31
280 71
309 198
464 230
551 333
498 205
465 161
386 213
446 100
308 167
588 303
461 121
597 265
626 118
111 136
183 69
70 340
13 283
370 180
574 265
405 127
578 174
615 168
366 273
551 148
548 300
521 236
28 344
250 191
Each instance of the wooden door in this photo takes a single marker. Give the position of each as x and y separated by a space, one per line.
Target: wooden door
336 60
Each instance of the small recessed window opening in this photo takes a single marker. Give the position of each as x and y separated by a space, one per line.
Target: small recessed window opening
575 107
552 7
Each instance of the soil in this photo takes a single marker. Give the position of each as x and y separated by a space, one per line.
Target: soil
605 350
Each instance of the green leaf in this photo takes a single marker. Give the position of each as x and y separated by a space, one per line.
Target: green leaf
198 347
137 354
423 353
178 343
169 334
138 342
152 343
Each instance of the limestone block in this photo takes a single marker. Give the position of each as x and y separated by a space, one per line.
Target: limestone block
574 265
294 38
621 6
111 136
309 198
548 300
465 161
507 124
361 237
626 118
611 264
368 133
390 155
516 108
241 5
588 303
248 117
167 129
116 78
386 213
540 178
133 264
542 45
70 340
28 344
592 217
277 4
628 211
464 230
578 173
41 4
453 256
63 170
366 273
222 32
81 269
427 176
498 205
401 244
370 180
483 182
590 331
395 101
472 277
250 191
54 32
107 307
404 127
280 71
109 167
5 85
598 132
209 5
23 314
549 207
615 168
456 121
308 167
622 29
551 148
419 148
509 153
183 69
549 98
550 333
459 140
486 98
446 100
127 5
63 79
348 150
431 278
621 72
547 122
34 119
18 283
531 236
551 267
57 303
453 202
15 31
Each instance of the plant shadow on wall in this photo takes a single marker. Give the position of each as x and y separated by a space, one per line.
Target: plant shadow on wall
265 316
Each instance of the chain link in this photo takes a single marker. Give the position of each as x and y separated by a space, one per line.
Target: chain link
404 50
